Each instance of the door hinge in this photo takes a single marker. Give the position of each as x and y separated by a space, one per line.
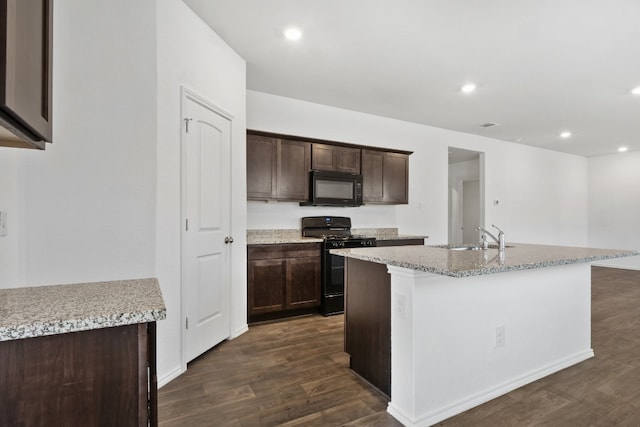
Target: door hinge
186 323
186 124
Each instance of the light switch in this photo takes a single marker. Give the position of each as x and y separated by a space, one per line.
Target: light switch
3 223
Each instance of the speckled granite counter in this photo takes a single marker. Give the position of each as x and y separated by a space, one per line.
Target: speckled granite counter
266 237
48 310
441 260
269 237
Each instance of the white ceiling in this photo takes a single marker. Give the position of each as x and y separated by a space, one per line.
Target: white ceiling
541 66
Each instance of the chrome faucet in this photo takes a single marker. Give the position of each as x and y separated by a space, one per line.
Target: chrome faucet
499 240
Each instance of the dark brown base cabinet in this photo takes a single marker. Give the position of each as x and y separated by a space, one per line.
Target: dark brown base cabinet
283 280
400 242
100 377
367 332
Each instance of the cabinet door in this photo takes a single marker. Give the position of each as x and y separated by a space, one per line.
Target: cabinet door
347 159
261 167
25 89
395 178
266 285
293 165
322 157
385 177
372 178
335 158
303 282
48 380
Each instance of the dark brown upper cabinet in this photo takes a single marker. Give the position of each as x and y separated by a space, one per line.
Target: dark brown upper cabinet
294 160
25 73
261 167
335 158
277 169
385 177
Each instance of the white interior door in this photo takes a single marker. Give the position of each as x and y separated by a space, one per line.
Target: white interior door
206 145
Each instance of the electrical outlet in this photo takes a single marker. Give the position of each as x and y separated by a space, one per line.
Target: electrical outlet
3 223
500 337
401 306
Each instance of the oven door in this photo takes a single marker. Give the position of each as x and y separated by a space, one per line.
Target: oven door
333 277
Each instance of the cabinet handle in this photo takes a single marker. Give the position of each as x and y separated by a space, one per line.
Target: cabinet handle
228 240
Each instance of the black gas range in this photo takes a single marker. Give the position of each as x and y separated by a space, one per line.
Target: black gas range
336 232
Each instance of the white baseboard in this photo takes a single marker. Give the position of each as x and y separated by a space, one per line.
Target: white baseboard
244 328
440 414
170 376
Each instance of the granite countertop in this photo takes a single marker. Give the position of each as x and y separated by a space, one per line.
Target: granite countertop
517 256
267 237
270 237
48 310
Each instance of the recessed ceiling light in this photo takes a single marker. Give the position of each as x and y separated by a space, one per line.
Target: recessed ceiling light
468 88
623 149
565 134
636 90
292 33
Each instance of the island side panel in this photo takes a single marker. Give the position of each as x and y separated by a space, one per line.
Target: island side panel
446 358
368 321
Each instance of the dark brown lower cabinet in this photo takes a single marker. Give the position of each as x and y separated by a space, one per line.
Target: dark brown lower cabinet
283 280
101 377
367 329
400 242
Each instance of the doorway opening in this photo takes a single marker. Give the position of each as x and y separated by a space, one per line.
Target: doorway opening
466 195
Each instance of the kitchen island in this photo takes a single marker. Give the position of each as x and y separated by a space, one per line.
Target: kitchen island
439 331
80 354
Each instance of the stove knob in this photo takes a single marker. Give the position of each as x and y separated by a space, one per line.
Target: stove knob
335 244
342 244
369 243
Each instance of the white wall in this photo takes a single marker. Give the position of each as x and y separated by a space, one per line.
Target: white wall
614 201
11 265
87 203
190 54
542 193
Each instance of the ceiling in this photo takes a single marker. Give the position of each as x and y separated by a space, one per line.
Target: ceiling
541 66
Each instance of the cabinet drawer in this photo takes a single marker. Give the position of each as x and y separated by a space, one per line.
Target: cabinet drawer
289 250
399 242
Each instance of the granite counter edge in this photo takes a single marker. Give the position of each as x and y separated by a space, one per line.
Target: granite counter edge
63 326
483 271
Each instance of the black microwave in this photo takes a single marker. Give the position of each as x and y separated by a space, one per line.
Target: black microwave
329 188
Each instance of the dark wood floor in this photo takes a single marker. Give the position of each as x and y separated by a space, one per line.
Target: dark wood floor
294 373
